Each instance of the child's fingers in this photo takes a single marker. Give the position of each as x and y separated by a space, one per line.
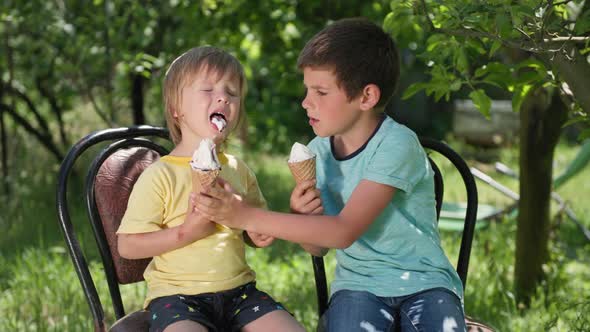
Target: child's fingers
319 210
314 204
225 185
205 205
216 192
302 187
309 196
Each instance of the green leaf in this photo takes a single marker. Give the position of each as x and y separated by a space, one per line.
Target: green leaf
528 77
462 62
413 89
574 120
518 96
584 134
503 25
532 63
495 73
482 102
495 46
389 23
476 44
583 24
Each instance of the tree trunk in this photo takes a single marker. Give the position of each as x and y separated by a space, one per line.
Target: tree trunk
137 82
541 118
574 69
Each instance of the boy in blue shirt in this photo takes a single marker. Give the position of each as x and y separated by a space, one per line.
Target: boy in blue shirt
376 193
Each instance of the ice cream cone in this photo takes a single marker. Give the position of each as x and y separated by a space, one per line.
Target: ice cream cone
303 170
203 180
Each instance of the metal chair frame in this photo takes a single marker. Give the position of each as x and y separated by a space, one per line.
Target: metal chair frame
123 138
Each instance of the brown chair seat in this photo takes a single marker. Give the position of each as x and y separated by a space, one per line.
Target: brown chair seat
135 321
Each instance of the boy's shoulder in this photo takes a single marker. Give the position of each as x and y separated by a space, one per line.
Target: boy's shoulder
393 131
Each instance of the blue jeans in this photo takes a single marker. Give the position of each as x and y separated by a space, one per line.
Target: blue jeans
435 309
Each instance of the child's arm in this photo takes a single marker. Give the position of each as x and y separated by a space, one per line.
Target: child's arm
144 245
365 204
258 240
305 199
254 197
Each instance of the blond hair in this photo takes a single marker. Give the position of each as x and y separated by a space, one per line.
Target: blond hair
183 71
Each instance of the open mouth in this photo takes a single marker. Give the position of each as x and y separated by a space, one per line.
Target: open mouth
218 120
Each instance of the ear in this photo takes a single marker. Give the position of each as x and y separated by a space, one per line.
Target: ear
369 97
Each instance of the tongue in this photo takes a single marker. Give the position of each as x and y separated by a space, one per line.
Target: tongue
219 122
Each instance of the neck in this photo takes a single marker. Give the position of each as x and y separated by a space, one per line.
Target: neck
354 138
186 147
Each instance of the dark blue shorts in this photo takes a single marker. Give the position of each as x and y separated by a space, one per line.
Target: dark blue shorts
223 311
435 309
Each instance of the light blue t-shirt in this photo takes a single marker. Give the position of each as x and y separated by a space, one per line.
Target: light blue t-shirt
400 253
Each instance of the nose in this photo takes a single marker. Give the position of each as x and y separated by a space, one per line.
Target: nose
305 103
222 98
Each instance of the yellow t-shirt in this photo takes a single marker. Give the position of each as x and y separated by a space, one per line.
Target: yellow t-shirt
160 200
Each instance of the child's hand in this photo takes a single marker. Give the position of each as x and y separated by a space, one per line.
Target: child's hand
196 226
305 198
260 240
221 205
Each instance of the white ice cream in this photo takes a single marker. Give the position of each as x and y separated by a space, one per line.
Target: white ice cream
219 123
205 156
300 152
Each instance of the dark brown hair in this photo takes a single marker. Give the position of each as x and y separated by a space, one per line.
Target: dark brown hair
359 52
183 71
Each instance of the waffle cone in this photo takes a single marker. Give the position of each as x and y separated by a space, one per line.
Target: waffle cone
203 179
303 170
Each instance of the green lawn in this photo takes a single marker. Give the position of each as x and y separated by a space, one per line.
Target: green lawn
40 290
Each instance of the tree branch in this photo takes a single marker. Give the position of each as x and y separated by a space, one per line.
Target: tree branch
567 39
548 45
15 92
45 140
518 44
54 105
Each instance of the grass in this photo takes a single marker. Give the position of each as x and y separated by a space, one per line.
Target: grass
40 290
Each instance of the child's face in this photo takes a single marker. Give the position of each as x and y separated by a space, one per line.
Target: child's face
210 98
328 108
